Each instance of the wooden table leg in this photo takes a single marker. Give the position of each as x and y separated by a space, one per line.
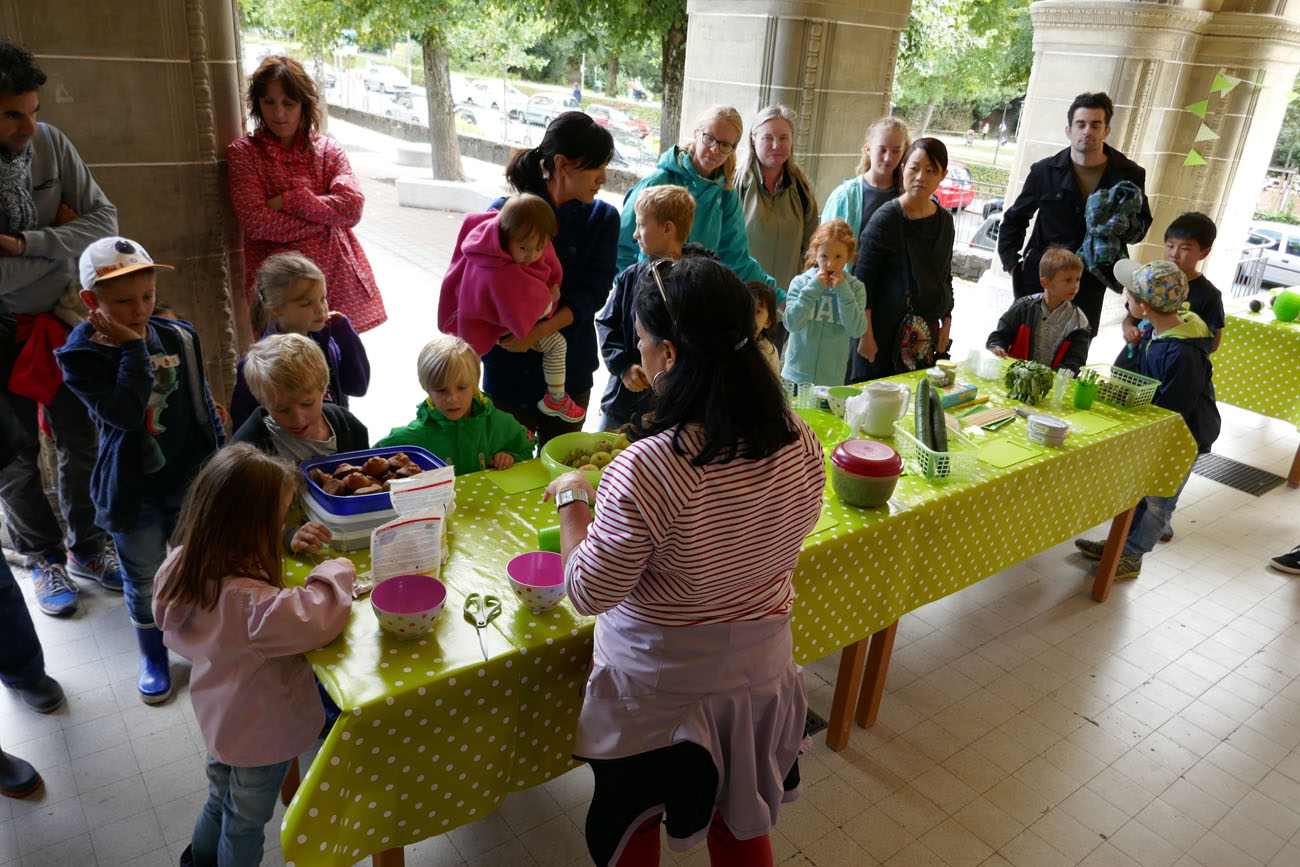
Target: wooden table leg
290 784
873 681
852 658
1293 477
1110 557
389 858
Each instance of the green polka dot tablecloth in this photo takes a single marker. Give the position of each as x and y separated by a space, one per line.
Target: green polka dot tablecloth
432 737
1257 364
875 565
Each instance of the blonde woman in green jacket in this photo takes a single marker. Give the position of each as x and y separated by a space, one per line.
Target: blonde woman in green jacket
706 168
776 197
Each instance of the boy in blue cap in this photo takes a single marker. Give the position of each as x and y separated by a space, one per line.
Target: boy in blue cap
1173 348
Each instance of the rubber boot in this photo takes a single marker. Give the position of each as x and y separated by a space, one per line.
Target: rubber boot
18 778
155 681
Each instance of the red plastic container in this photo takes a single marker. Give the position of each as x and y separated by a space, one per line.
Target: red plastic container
864 472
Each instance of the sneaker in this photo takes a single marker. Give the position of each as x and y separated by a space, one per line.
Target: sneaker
1167 537
56 595
105 570
1089 548
1128 567
46 696
563 408
1289 563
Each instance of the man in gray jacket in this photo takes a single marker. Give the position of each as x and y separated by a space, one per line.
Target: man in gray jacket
50 210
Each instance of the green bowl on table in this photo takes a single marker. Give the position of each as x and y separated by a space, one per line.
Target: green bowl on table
830 430
563 447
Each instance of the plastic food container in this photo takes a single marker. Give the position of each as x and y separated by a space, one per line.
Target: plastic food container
349 532
864 472
355 505
1047 430
941 377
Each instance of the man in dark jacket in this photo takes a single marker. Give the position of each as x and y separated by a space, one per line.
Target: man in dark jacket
1057 190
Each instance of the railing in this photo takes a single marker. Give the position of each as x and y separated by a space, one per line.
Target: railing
978 201
1250 271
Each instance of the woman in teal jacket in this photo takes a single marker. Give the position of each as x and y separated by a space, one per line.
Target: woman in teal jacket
705 167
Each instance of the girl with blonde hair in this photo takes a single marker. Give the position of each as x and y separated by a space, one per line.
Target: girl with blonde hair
877 180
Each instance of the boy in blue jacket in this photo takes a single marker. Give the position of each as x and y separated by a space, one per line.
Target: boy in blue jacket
141 377
663 223
1175 349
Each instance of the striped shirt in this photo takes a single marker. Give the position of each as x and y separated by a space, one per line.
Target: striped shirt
679 545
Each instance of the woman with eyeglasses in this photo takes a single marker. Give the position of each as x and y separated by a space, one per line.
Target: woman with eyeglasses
776 196
567 170
694 710
706 167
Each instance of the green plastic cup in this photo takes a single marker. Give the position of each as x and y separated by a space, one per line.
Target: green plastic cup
548 539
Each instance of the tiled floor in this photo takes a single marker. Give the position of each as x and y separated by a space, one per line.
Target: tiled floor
1023 724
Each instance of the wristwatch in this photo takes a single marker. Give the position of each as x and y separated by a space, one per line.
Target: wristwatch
570 495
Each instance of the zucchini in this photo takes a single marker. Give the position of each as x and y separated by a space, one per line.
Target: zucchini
923 417
940 426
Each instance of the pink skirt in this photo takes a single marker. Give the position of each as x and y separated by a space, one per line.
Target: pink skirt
731 688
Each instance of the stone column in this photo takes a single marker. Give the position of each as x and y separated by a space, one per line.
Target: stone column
149 92
831 62
1154 59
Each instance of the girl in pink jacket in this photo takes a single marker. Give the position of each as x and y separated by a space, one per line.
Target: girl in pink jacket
220 604
504 279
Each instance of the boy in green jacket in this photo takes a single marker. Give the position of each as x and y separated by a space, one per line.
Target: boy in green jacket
458 422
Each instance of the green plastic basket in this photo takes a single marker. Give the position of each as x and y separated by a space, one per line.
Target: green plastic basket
1123 388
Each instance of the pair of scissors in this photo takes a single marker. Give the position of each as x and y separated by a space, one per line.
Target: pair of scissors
481 609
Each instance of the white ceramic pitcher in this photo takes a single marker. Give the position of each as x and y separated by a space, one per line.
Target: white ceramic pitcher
886 403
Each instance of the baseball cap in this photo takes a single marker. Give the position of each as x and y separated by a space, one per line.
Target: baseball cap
111 257
1163 285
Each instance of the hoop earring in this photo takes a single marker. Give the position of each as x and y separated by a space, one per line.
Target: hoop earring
654 383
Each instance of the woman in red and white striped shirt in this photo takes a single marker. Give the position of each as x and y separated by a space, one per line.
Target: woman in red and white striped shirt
694 710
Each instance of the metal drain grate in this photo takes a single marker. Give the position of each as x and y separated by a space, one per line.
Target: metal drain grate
813 724
1237 475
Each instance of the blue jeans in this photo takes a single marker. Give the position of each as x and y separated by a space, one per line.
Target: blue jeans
142 552
1151 521
232 824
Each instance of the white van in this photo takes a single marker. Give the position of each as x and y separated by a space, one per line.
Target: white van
1282 243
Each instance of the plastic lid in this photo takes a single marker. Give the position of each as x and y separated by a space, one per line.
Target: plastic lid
1048 424
867 458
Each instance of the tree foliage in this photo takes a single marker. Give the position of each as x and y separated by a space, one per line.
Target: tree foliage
623 25
976 50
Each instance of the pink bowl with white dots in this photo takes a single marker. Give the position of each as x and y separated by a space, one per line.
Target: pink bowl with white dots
537 579
407 606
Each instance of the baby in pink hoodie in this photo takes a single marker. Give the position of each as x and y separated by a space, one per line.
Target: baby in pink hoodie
219 603
504 280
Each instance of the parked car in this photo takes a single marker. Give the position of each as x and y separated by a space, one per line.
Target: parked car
618 120
498 95
484 117
993 206
411 106
385 79
986 236
542 108
1281 243
958 188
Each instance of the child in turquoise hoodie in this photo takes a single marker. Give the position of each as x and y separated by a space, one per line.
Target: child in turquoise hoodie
826 305
457 422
